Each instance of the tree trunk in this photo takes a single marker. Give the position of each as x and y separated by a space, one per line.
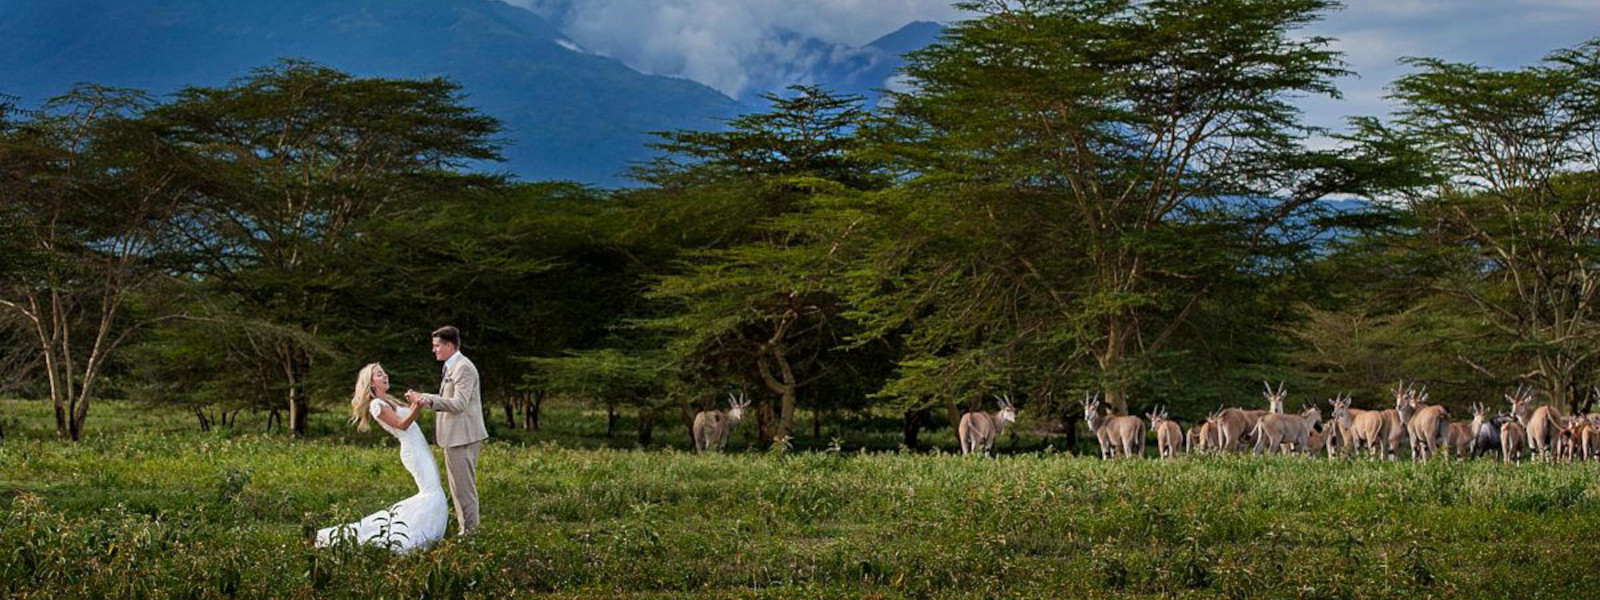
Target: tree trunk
816 423
647 425
511 412
766 424
531 403
911 426
611 420
784 387
1072 436
205 424
686 414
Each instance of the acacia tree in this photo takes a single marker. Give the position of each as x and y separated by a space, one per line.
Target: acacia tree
92 201
1091 186
1510 164
297 159
750 302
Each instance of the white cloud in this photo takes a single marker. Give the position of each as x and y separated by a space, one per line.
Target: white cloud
730 45
1375 34
734 45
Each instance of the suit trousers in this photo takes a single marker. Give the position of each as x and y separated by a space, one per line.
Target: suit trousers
460 467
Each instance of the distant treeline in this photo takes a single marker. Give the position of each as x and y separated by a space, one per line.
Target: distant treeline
1074 195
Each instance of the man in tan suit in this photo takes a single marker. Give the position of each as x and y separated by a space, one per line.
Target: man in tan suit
459 426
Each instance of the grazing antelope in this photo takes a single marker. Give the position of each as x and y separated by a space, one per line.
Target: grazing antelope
1168 434
979 429
1542 425
1115 433
1368 429
1428 425
711 427
1276 430
1512 436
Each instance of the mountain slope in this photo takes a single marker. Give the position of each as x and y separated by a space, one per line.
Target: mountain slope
568 114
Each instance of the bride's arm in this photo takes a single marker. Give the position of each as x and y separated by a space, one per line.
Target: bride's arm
387 415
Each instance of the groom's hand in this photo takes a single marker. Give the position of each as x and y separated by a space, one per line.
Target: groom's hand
412 396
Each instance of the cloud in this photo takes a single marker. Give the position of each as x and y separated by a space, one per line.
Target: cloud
1503 34
739 46
735 46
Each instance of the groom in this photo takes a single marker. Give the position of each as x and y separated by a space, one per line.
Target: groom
459 428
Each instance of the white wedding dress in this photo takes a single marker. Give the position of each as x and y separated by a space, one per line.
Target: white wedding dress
414 522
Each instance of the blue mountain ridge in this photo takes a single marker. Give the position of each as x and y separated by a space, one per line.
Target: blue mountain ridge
568 114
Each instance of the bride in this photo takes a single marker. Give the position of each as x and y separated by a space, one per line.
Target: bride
416 521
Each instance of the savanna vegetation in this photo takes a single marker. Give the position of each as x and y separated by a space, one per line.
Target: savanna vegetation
1076 197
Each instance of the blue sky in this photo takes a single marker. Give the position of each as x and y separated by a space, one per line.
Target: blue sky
713 41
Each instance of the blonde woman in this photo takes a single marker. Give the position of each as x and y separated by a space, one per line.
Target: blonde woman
416 521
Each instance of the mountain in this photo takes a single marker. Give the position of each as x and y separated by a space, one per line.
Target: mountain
883 59
568 114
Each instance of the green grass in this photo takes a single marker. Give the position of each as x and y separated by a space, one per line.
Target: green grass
149 507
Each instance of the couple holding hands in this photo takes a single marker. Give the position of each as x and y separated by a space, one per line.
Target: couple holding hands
420 520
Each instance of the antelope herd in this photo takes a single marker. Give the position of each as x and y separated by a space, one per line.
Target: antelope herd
1426 429
1414 423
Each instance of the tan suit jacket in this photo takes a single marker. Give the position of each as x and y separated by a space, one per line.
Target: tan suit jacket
460 407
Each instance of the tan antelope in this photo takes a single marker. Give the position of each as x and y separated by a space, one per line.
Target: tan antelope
1512 436
1458 439
1463 436
1234 425
1396 418
1317 439
1542 425
1566 445
1204 435
711 427
1589 438
1276 430
1169 436
1124 434
1428 426
1333 438
1365 429
979 429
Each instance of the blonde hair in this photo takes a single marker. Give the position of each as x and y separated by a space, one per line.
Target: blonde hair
361 400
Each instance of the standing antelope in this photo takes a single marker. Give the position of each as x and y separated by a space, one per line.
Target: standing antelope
1512 436
1115 433
1458 439
711 427
1542 425
979 429
1395 419
1367 429
1274 431
1428 426
1334 437
1235 425
1168 435
1465 442
1589 438
1204 435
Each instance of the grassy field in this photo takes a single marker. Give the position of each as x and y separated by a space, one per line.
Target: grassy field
148 507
